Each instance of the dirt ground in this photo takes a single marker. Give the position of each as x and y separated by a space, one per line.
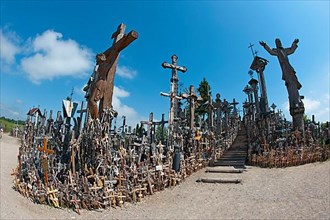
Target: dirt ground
301 192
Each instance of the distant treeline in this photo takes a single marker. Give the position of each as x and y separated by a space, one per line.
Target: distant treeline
8 124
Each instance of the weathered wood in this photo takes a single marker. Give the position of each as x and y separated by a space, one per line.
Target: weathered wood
223 170
210 180
102 88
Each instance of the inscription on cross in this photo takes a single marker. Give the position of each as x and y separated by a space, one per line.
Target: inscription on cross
102 87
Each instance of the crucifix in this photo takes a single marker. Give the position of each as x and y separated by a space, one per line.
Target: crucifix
44 162
174 87
102 87
292 84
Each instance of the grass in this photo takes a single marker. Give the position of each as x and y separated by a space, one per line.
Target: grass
9 124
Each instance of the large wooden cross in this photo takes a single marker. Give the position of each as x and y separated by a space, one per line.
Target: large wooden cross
102 88
174 86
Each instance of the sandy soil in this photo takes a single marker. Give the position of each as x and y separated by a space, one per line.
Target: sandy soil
292 193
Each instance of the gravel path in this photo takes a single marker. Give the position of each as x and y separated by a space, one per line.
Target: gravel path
291 193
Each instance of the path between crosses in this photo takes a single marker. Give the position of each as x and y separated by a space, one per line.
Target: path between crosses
231 165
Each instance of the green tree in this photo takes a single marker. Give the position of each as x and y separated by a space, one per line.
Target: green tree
204 90
161 134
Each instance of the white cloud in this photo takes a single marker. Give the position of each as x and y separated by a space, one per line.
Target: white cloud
319 108
132 117
9 47
311 105
125 72
54 57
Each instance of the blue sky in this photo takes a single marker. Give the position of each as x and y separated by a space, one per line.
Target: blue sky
49 47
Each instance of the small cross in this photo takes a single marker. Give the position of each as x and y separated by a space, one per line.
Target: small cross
253 52
45 149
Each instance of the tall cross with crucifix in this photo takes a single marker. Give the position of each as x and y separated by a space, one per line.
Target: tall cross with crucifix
101 88
174 86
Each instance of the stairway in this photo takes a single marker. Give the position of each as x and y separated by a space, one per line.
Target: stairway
237 153
231 164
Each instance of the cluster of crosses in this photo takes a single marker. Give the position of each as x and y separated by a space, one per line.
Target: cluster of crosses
86 162
274 141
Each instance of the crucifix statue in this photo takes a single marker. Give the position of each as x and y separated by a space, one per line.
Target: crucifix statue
292 84
101 88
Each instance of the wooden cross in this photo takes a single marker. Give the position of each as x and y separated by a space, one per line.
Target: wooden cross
102 89
171 115
234 103
251 46
82 111
265 145
44 161
75 202
162 123
51 193
110 195
174 86
191 97
149 123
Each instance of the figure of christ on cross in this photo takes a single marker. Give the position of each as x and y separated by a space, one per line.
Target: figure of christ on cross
102 88
291 81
